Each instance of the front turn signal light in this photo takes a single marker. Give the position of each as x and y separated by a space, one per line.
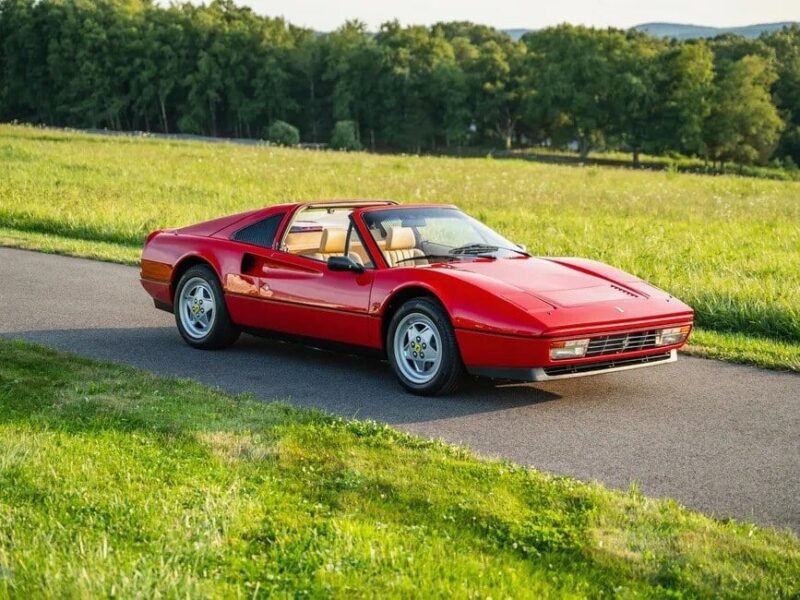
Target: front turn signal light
673 335
568 349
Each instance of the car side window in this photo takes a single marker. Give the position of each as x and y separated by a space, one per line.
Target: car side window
261 233
319 233
357 250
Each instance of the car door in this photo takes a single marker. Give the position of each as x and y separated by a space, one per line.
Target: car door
301 296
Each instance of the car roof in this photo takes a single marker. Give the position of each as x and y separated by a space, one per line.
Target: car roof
344 202
364 204
396 206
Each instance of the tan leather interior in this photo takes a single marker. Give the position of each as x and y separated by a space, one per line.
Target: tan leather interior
303 242
321 245
357 251
400 238
331 243
401 244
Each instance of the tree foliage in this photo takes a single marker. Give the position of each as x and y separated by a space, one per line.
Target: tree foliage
283 134
344 136
221 69
744 124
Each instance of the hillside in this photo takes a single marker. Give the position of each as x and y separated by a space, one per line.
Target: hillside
688 32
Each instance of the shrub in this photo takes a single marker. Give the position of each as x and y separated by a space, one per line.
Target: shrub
344 136
283 134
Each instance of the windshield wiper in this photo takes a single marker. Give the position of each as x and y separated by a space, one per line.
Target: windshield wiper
477 249
428 256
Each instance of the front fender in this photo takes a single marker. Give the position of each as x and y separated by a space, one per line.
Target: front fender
472 301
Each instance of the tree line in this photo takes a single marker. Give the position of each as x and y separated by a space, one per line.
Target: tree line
223 70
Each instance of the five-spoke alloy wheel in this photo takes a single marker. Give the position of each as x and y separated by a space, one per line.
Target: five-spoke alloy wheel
422 348
200 312
197 308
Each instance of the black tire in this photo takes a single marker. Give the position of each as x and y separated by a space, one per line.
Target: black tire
450 369
221 332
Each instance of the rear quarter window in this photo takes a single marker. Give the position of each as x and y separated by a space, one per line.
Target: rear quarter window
261 233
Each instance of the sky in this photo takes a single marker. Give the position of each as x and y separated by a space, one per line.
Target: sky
326 15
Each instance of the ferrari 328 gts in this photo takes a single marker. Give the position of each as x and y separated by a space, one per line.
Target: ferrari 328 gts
435 291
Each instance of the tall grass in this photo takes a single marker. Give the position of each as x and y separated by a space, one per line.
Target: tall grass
729 246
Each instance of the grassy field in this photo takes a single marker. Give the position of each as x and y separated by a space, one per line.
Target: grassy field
114 482
677 164
729 246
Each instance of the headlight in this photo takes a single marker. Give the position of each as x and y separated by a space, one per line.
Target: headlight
568 349
673 335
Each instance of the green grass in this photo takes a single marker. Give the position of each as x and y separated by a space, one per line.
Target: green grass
114 482
729 246
676 163
740 348
56 244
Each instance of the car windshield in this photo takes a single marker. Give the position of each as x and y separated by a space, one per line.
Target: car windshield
418 236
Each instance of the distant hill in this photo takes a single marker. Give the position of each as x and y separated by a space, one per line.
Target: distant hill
517 33
688 32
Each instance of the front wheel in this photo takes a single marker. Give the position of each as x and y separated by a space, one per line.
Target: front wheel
422 348
200 312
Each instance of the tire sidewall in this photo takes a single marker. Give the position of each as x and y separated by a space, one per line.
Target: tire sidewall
450 366
222 332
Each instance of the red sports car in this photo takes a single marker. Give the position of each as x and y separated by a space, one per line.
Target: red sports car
435 291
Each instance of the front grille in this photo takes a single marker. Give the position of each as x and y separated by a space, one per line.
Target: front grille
622 342
606 364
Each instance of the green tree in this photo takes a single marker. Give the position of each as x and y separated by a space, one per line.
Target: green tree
786 89
283 134
684 86
344 136
744 125
492 91
353 68
412 57
499 93
221 69
25 83
308 66
634 99
573 71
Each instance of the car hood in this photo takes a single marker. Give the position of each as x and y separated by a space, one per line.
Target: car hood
556 283
569 292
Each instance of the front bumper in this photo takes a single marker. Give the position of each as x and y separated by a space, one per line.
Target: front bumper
622 363
525 358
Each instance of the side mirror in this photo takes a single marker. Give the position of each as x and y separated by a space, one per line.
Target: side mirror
344 263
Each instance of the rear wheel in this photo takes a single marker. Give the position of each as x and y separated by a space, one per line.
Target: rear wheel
200 312
422 348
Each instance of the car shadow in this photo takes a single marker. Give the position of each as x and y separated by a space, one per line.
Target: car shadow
350 385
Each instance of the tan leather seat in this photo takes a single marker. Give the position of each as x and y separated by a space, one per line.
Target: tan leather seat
302 242
401 244
331 243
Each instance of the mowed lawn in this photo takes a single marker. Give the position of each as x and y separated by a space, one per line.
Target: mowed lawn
114 482
729 246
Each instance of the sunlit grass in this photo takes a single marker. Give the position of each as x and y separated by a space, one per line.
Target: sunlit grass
729 246
55 244
741 348
117 483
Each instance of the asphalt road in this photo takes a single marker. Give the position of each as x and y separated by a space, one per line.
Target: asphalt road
721 438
